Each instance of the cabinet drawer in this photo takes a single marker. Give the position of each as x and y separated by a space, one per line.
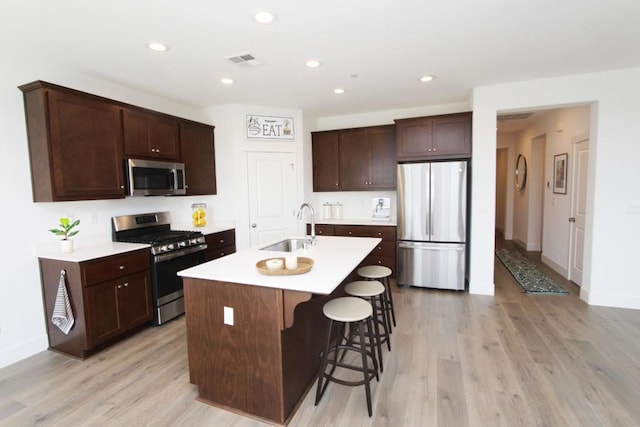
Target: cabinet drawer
382 232
220 240
216 253
322 229
385 248
108 268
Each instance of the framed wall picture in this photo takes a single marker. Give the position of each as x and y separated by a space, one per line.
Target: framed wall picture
560 173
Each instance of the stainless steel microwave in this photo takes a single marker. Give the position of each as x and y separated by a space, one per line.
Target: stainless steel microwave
154 178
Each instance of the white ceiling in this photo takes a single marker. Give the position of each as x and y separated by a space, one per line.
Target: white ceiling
387 44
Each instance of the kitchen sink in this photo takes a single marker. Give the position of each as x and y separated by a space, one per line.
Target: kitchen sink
288 245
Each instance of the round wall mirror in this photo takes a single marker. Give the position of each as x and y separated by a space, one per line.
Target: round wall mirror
521 172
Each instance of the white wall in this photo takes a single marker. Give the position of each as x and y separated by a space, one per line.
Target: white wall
232 163
613 201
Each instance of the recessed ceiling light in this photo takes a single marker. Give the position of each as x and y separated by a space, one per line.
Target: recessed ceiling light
226 81
427 78
313 63
264 16
339 91
157 47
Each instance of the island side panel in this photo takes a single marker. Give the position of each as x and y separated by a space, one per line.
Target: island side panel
236 366
301 347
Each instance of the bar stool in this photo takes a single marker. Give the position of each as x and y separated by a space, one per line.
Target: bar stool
374 291
354 312
382 273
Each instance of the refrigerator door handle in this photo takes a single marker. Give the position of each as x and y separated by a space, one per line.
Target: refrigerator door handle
428 247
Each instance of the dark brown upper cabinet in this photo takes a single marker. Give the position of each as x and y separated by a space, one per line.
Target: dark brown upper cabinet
354 159
435 137
78 143
75 144
150 135
198 155
325 157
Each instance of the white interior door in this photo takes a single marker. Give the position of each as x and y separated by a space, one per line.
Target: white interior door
272 192
578 210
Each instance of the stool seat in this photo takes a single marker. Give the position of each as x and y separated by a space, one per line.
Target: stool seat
347 309
364 288
374 271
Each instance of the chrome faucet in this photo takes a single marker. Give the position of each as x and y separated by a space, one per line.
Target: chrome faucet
313 220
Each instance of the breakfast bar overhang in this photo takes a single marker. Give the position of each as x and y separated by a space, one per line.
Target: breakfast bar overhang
253 340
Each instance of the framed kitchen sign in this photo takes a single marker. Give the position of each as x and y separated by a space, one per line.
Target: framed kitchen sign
560 173
269 127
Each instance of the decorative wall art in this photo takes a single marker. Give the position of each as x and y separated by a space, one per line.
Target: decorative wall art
560 173
269 127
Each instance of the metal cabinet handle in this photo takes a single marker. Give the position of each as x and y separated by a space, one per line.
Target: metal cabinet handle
121 267
119 286
254 225
126 284
572 220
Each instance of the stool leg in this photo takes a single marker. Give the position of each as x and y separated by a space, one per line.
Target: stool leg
323 365
377 331
390 296
386 318
363 353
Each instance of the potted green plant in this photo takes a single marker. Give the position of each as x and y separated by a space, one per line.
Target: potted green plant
66 229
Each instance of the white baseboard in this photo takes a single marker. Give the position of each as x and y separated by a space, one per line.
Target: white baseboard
554 266
605 300
23 350
520 243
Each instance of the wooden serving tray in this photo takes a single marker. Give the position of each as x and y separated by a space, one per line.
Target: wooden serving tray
304 265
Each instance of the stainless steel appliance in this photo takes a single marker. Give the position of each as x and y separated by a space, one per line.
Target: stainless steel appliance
155 178
171 251
432 226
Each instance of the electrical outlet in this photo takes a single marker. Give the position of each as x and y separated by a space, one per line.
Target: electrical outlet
228 316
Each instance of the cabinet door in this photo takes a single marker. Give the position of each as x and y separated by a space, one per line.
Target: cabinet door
86 148
197 147
103 317
452 136
134 299
382 143
355 160
326 161
414 138
149 135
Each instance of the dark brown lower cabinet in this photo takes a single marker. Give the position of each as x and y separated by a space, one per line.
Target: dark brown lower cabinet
383 254
109 296
220 244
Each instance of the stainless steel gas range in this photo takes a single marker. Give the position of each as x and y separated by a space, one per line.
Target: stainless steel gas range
171 251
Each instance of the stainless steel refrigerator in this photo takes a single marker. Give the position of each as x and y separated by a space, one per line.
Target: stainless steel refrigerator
432 224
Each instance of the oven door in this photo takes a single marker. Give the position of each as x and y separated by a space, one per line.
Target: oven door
167 285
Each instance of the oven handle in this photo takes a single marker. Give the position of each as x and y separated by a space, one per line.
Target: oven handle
179 253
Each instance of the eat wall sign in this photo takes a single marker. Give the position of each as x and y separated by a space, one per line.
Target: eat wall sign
269 127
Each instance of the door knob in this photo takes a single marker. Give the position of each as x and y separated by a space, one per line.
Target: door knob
254 225
572 220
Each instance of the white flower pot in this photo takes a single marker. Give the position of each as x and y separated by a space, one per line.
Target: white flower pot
66 246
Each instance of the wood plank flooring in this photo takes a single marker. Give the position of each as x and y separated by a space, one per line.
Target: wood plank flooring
457 360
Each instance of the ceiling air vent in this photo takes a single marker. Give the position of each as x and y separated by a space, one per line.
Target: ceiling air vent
515 116
244 60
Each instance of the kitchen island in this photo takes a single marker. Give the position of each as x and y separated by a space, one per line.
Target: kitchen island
254 340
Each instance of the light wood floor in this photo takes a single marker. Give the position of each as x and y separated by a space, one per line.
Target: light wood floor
456 360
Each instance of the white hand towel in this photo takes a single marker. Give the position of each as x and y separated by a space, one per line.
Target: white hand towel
62 314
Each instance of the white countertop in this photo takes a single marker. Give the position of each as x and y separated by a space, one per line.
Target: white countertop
357 221
101 246
210 228
334 258
86 251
